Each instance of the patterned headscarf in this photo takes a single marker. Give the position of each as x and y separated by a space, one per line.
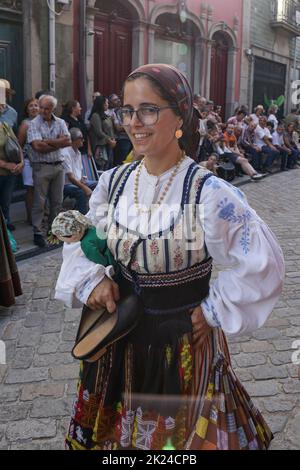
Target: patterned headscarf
178 88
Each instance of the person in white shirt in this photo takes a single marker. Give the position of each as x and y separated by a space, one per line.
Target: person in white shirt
258 111
76 185
272 115
263 140
278 142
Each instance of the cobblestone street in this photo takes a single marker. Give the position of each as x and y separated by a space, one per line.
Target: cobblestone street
38 383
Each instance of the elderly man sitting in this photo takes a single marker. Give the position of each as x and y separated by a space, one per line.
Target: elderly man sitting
76 185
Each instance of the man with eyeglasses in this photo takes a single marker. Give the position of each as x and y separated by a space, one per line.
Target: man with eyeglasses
76 185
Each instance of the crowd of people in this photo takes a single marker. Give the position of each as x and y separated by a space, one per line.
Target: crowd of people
253 143
54 148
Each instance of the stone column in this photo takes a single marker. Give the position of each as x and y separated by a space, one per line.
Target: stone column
209 45
32 50
151 39
138 42
231 74
90 23
198 65
246 66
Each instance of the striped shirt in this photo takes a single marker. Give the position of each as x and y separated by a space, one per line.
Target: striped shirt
39 129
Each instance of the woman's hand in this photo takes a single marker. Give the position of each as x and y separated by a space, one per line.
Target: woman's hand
105 294
10 166
200 327
18 169
112 143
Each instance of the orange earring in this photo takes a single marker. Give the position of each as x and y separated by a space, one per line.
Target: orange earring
178 134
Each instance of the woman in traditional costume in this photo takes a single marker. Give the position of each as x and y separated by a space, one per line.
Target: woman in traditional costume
167 219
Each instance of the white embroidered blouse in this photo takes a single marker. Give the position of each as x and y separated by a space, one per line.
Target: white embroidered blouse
244 293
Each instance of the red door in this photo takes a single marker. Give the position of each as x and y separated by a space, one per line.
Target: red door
113 56
219 63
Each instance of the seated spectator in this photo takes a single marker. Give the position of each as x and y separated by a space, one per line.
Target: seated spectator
248 145
293 118
258 111
296 138
293 157
236 155
231 140
215 143
238 119
208 145
272 111
263 140
278 142
211 163
270 126
76 186
245 108
218 113
239 132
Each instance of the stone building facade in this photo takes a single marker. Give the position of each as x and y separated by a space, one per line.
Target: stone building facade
97 42
24 48
269 65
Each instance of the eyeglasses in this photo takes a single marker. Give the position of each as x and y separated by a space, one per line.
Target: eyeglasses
147 115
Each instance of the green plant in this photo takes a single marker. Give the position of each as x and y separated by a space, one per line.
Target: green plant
278 102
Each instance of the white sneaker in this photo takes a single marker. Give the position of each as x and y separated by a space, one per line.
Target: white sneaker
257 176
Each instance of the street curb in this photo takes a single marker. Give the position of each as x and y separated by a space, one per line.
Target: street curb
35 252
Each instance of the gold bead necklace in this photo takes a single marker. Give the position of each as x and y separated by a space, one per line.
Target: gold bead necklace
165 191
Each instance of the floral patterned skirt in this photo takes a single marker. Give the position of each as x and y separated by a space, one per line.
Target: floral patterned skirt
153 389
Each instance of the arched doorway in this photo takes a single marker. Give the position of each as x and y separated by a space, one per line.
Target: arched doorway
219 68
175 43
112 46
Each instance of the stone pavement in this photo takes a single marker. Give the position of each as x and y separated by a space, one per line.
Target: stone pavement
38 383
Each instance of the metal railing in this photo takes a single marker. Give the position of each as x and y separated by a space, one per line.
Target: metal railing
286 11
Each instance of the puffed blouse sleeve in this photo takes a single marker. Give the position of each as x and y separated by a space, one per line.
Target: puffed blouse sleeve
245 292
78 275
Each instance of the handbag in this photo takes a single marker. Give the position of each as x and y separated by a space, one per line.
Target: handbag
12 147
226 171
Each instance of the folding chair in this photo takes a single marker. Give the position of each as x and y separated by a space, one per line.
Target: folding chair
90 168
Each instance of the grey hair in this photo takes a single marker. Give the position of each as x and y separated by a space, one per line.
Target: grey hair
75 133
50 98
